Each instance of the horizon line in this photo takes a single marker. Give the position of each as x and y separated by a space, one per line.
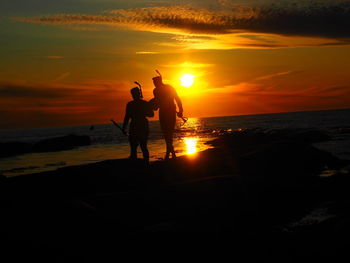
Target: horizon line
207 117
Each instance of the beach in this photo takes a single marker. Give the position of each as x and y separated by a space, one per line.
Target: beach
256 195
45 149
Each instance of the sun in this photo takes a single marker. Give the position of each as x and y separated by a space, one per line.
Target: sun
187 80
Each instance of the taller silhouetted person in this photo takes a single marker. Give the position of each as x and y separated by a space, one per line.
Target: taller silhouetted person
137 110
165 97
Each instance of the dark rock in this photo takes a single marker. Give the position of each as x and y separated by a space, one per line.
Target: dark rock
287 159
61 143
14 148
343 130
278 152
67 142
2 177
309 136
242 141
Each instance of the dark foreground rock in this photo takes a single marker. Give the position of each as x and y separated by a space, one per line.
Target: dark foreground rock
278 153
67 142
223 202
62 143
14 148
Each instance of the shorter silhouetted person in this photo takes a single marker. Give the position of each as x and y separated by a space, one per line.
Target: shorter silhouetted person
165 97
137 110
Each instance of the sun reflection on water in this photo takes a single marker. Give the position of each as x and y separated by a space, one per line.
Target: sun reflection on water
191 145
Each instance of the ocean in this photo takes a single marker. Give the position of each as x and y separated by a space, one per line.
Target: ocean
109 143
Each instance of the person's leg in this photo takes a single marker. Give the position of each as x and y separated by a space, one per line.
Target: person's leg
167 122
145 152
164 128
171 130
169 145
173 155
133 147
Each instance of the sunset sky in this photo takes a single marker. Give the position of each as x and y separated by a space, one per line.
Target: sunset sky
73 62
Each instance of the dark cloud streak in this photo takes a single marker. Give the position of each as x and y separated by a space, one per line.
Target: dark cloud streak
39 105
313 19
303 18
29 91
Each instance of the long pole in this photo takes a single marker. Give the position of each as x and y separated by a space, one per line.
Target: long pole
116 124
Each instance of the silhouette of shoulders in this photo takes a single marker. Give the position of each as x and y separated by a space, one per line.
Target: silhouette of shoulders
139 108
165 96
164 91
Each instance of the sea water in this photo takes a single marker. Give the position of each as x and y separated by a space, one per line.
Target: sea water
109 143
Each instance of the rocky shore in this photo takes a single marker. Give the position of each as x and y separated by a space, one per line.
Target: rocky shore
61 143
257 195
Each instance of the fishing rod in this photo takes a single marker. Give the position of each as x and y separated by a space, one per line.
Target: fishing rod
116 124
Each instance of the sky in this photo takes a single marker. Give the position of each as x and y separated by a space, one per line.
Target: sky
73 62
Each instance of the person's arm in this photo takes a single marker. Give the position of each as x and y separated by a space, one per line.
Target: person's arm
149 110
155 101
126 118
179 104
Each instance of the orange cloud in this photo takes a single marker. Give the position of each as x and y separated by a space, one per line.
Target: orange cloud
275 92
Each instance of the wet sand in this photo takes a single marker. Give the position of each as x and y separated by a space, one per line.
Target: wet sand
256 196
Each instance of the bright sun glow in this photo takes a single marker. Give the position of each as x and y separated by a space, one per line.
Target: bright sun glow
187 80
191 145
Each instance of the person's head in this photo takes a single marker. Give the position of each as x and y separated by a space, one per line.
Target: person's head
157 81
135 93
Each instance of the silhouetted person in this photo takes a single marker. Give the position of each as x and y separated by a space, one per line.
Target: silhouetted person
137 110
164 97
